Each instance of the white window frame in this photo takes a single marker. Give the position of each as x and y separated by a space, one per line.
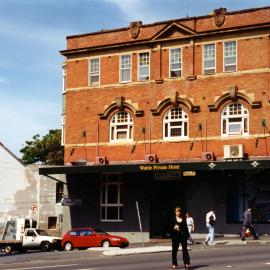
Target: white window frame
121 68
106 182
205 70
171 63
230 56
140 77
238 116
64 77
117 127
63 130
168 124
94 73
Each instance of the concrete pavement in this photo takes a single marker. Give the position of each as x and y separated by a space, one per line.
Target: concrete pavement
164 245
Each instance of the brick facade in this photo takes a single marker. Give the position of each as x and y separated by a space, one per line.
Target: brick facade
85 104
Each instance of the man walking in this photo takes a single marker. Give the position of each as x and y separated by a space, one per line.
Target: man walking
247 224
210 220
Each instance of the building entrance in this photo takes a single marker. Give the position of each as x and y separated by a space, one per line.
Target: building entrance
165 195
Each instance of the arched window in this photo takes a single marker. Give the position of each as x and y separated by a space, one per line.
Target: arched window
175 124
234 120
121 127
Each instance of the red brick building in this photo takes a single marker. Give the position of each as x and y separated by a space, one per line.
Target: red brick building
174 112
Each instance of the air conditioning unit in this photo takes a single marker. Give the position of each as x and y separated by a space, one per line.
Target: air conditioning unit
233 151
101 160
207 156
150 158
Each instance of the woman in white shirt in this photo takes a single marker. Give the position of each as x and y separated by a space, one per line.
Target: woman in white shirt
191 227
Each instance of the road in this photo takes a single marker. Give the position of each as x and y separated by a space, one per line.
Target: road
247 257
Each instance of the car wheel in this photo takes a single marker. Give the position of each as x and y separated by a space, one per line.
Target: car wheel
45 246
106 243
68 246
8 249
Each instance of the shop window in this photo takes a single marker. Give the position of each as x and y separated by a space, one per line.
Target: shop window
144 67
52 221
209 58
111 197
175 62
59 191
253 192
94 72
234 119
121 127
125 68
230 56
175 124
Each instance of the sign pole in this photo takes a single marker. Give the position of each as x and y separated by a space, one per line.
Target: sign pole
140 223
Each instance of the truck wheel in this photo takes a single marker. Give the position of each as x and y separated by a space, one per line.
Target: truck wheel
68 246
45 246
106 243
8 249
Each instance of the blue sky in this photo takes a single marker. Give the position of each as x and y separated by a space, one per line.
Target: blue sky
32 32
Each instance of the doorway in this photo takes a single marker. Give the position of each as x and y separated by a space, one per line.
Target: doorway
165 196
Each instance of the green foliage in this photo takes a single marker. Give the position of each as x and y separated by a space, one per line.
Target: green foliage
45 150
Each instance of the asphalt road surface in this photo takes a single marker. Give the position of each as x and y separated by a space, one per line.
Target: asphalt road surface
248 257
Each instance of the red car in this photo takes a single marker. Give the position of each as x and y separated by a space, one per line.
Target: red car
89 237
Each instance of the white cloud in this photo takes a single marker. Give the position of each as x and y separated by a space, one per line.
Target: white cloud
134 10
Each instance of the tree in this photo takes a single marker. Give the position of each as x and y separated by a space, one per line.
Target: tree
45 150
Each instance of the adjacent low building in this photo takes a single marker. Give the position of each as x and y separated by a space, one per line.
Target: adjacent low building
26 194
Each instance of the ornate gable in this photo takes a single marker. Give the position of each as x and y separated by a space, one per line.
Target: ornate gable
174 30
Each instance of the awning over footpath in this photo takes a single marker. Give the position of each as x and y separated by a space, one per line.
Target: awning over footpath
165 167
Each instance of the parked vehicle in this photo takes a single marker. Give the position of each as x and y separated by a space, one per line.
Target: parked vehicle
90 237
21 235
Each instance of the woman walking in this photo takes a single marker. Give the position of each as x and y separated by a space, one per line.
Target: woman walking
179 234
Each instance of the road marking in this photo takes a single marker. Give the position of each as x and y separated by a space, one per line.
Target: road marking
267 263
41 267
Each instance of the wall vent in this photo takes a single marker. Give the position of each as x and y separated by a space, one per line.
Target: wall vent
101 160
150 158
233 151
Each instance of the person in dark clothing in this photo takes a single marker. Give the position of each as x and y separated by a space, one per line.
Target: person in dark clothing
247 224
179 234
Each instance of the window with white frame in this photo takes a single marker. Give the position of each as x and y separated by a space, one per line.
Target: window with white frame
63 131
234 119
111 199
64 77
175 62
94 71
209 58
121 127
144 67
125 68
230 57
175 124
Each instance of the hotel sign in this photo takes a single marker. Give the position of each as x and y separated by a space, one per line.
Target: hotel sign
159 167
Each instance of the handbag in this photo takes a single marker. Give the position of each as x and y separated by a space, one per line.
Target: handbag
247 232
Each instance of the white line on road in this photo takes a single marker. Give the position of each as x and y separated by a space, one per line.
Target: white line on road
42 267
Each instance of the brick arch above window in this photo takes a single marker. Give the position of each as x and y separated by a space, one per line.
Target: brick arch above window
234 96
174 101
119 105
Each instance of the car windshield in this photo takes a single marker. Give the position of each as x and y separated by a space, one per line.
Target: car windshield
99 231
42 232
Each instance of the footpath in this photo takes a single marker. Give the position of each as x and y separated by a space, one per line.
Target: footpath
164 245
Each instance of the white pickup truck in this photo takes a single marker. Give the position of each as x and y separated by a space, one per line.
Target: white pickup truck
30 238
